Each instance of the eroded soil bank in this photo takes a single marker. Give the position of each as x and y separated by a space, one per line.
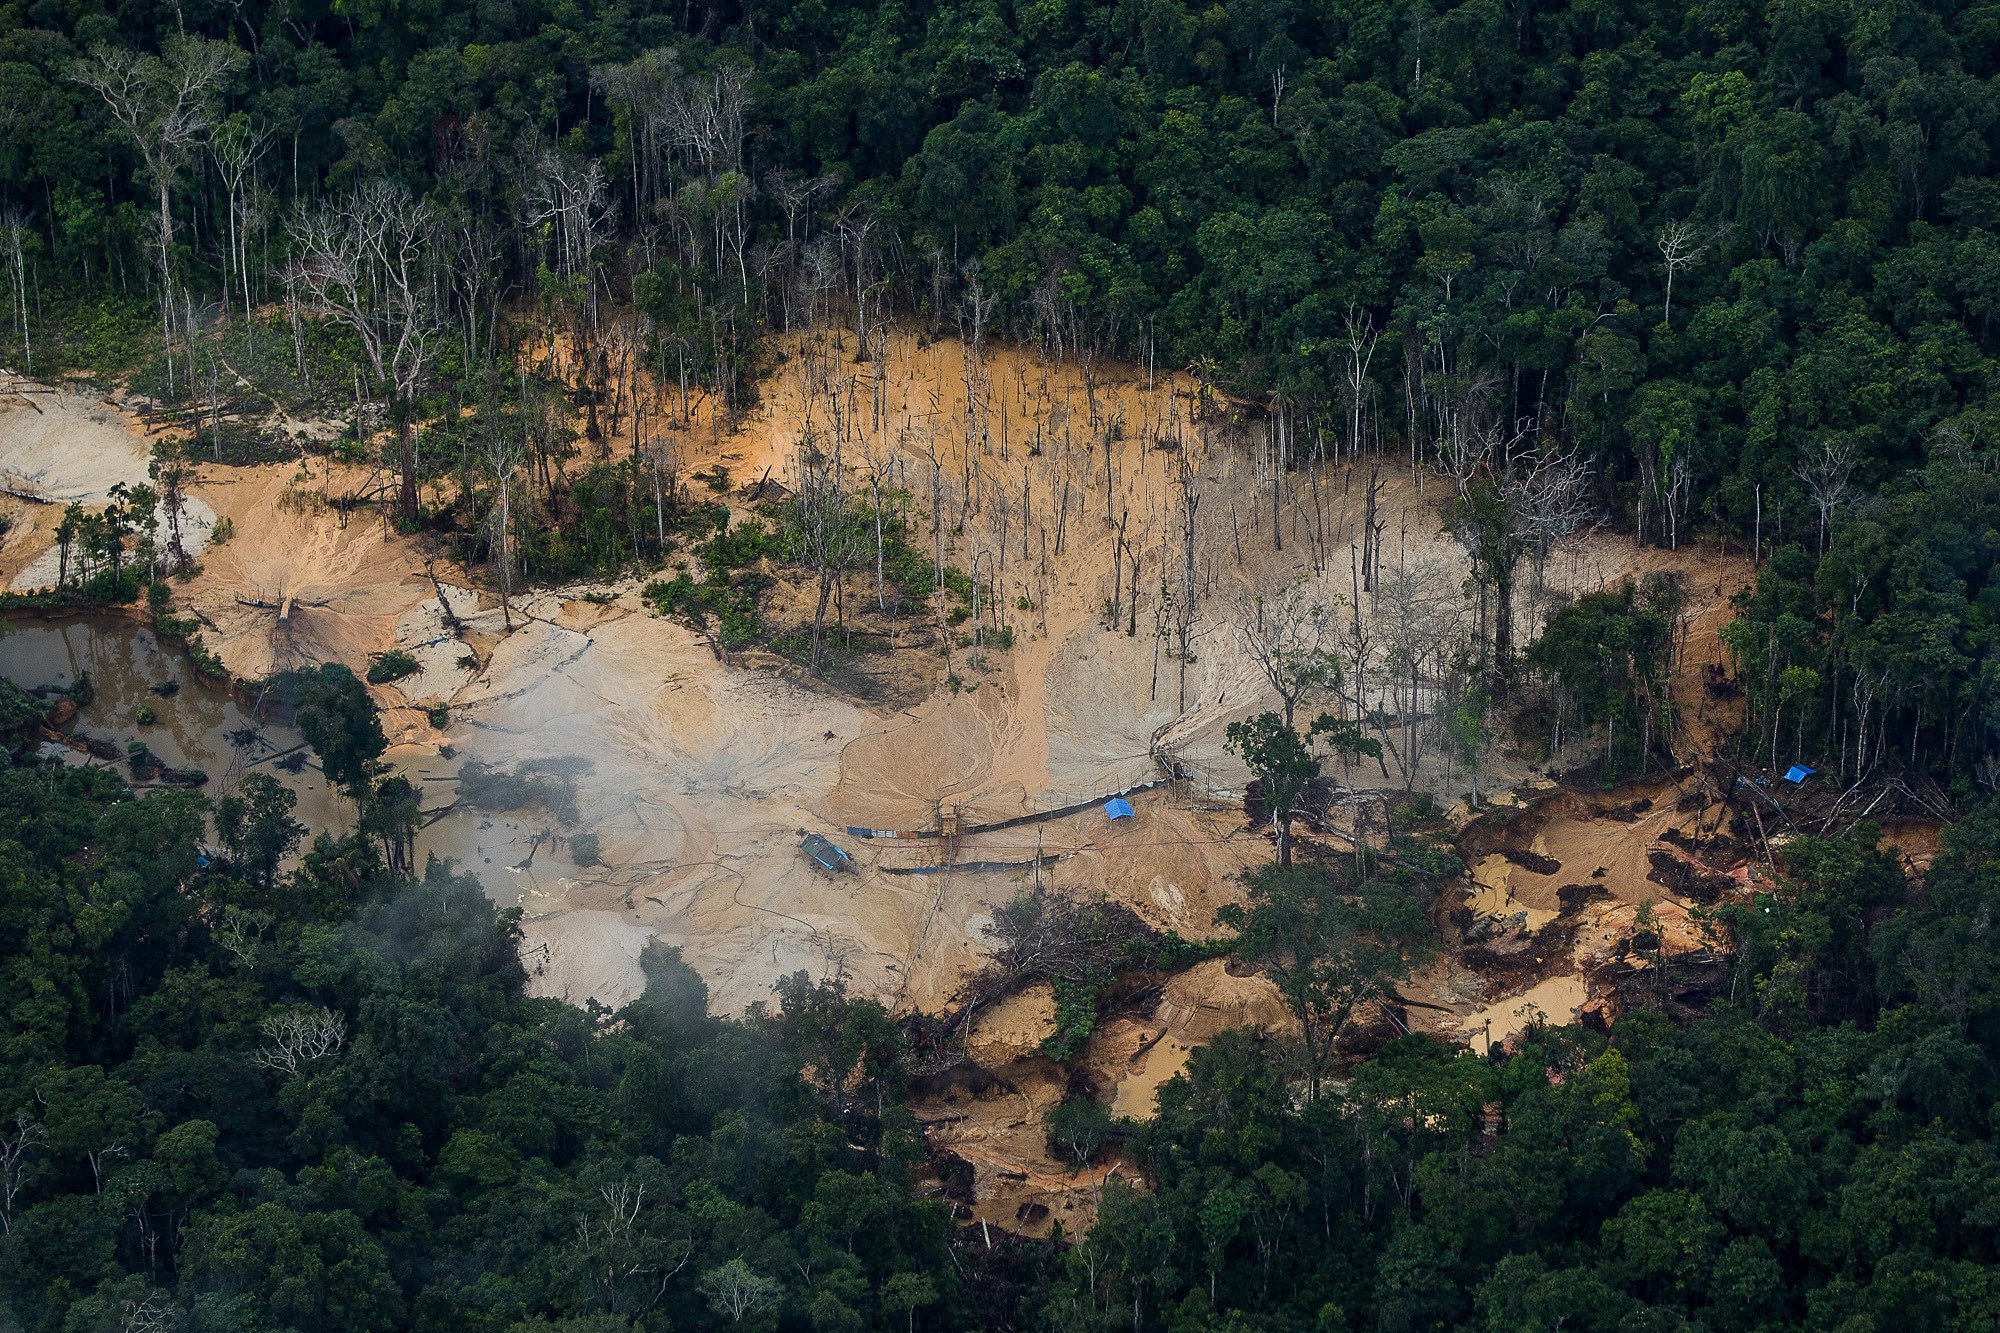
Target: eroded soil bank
652 790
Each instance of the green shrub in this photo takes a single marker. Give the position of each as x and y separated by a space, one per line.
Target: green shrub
392 665
583 849
733 548
1076 1017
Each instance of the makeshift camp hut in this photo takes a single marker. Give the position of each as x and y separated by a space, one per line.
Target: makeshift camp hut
822 853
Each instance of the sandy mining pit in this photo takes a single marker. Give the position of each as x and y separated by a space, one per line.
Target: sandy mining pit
696 777
58 446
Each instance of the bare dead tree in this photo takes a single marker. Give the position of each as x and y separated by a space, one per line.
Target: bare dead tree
503 456
1516 497
1961 440
568 200
1187 504
1825 469
363 264
1362 339
705 118
795 196
1420 624
241 931
1680 486
1678 251
877 502
155 1312
1279 419
857 226
14 231
819 274
822 534
298 1035
1294 637
642 89
165 105
976 307
629 1246
663 459
569 196
238 147
16 1145
1548 490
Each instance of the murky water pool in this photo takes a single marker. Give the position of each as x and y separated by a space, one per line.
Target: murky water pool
194 726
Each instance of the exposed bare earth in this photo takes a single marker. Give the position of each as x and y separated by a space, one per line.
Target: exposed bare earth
59 447
697 776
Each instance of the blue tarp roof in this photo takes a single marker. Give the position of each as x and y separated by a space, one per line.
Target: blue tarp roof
1799 773
824 851
1118 808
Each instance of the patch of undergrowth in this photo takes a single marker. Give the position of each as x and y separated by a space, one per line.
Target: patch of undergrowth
19 710
106 587
391 666
720 592
1081 947
1076 1015
723 600
184 630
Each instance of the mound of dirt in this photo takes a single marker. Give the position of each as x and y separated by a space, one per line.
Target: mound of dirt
1013 1029
575 956
302 582
1685 877
1554 1002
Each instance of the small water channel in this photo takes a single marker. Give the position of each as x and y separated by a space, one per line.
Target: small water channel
195 725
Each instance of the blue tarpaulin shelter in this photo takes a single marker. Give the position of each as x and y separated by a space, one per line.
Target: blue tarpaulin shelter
1118 808
824 853
1799 773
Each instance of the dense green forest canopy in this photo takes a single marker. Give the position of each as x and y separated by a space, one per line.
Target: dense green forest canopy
1709 243
239 1098
1735 266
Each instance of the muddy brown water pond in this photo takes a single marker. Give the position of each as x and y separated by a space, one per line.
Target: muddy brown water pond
195 725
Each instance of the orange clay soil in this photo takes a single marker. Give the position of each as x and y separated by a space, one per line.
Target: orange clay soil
698 776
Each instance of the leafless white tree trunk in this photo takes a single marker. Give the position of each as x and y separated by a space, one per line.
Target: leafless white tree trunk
15 1147
1294 637
1678 250
298 1036
1825 470
822 534
166 105
364 263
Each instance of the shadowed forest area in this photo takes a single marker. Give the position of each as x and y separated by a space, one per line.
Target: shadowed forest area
1715 276
319 1099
